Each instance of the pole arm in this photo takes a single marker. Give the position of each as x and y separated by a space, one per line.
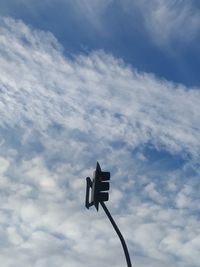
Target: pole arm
118 233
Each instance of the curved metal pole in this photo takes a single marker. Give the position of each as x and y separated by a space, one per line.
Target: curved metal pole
128 260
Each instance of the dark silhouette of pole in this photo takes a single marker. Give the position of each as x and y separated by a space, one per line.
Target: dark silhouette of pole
118 233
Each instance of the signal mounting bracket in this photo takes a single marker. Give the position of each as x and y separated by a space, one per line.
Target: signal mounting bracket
88 204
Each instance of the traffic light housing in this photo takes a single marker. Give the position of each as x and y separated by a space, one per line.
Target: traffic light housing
99 187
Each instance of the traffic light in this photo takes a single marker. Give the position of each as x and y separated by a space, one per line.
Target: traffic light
100 186
97 192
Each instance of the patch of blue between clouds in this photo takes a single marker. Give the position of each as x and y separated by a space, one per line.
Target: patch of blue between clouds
13 137
168 160
158 166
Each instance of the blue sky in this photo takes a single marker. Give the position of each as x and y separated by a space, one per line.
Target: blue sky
113 81
161 37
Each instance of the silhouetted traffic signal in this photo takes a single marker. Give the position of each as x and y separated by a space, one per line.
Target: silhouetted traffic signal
100 186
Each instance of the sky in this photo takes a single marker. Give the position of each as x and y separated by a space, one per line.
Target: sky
110 81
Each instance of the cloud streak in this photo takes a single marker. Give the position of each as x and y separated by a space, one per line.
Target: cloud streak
170 21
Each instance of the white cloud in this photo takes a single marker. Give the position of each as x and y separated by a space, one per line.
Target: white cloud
153 193
57 117
91 9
